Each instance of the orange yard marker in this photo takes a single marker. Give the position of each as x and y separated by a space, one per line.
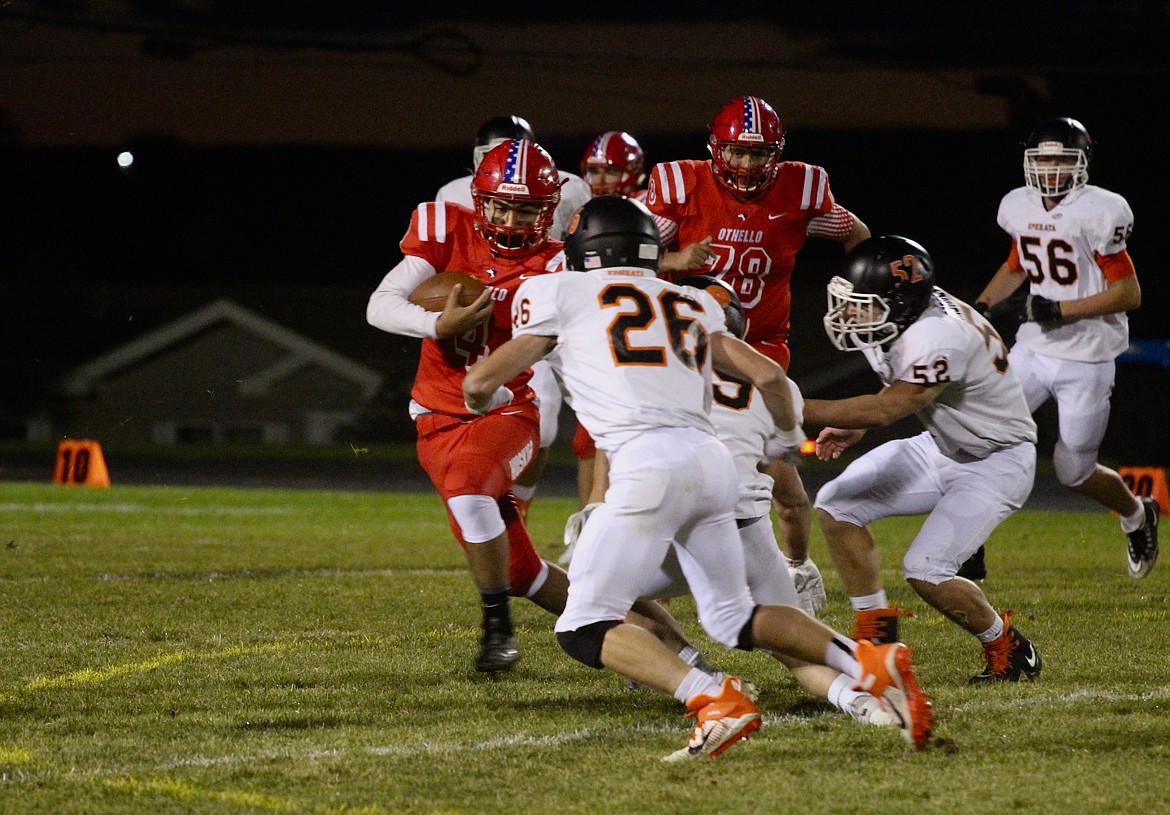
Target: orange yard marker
80 463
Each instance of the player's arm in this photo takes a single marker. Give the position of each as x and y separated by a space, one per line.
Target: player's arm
889 405
481 386
735 357
1122 294
839 224
1003 284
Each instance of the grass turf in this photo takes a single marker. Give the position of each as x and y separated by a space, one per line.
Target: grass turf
202 650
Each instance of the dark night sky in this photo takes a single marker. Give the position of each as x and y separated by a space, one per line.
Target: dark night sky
302 227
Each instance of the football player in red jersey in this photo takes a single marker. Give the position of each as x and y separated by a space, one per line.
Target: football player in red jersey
473 459
742 216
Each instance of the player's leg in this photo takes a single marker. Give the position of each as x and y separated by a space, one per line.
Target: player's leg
1082 397
470 465
770 583
977 497
895 478
652 480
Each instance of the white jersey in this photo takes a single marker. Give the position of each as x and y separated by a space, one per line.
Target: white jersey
984 409
744 425
575 192
632 350
1058 249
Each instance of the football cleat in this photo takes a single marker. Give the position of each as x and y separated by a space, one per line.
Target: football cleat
869 709
1142 552
498 652
721 721
974 567
878 625
1010 657
887 671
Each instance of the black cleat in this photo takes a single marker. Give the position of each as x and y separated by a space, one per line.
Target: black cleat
498 652
1142 552
1010 657
974 567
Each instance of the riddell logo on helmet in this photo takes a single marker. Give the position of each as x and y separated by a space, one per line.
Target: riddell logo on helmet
756 137
514 189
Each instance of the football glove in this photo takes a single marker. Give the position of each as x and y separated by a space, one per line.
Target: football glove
1040 309
810 586
573 528
501 397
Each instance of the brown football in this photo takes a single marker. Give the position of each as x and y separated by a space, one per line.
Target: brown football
432 293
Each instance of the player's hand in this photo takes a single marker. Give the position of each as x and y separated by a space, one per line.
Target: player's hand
456 319
1040 309
983 309
691 257
832 441
810 586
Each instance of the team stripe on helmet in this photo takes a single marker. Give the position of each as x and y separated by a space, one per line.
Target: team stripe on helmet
751 114
516 167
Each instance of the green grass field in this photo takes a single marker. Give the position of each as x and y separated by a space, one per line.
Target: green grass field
195 650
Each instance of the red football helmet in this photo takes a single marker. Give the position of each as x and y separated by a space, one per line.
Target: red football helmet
745 143
614 150
514 193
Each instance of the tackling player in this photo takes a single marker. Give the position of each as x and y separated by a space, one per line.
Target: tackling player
973 466
635 354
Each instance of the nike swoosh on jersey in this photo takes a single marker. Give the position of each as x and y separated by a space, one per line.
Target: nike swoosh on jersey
774 217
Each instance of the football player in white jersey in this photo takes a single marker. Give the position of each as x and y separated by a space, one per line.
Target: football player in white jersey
635 354
574 192
1069 245
973 466
744 425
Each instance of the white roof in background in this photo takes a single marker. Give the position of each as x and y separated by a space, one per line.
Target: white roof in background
301 352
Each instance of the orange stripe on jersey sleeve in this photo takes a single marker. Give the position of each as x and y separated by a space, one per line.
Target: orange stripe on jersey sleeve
1013 259
1115 267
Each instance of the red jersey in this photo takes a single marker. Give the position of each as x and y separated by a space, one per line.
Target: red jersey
754 242
444 236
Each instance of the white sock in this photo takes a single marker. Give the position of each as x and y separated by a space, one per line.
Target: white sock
868 602
1132 523
994 632
839 656
841 692
696 682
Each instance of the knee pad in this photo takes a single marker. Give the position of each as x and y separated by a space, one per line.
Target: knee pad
478 517
745 641
584 644
1073 466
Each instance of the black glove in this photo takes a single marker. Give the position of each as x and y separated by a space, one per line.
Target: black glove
1041 310
983 309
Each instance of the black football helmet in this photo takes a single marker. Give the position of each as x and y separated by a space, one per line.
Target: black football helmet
496 130
885 286
612 230
724 295
1057 156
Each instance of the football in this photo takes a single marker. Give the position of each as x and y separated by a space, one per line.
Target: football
432 293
